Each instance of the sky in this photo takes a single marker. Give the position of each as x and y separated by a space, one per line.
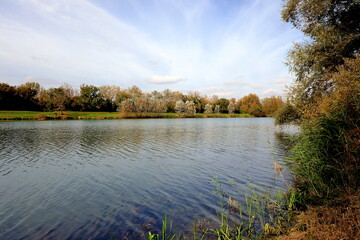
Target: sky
228 48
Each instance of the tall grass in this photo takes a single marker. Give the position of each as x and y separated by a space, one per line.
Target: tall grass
323 161
326 158
259 215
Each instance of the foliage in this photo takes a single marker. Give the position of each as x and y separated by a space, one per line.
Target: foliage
326 158
90 98
286 115
257 217
196 98
190 107
271 104
110 94
31 96
180 106
223 104
8 97
22 97
333 31
231 108
325 98
165 232
217 109
208 109
251 104
57 99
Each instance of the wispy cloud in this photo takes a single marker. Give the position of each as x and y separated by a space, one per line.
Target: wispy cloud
237 45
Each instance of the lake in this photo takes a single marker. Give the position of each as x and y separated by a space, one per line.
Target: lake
89 179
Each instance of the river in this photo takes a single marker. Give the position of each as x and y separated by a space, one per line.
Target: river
89 179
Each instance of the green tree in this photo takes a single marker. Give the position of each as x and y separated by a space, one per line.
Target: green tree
223 104
57 99
90 98
332 28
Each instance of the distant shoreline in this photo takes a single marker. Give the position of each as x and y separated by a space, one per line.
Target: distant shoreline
77 115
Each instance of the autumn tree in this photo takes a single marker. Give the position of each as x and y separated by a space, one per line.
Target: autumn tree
251 104
26 96
171 97
180 106
271 104
134 92
190 107
195 97
109 94
332 29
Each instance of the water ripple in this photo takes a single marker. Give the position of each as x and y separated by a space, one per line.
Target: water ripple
86 179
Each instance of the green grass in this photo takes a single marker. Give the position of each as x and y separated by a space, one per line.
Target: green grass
66 115
35 115
261 216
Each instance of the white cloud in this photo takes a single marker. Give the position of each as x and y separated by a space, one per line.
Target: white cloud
273 92
165 79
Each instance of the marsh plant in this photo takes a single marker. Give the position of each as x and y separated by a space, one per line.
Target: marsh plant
256 216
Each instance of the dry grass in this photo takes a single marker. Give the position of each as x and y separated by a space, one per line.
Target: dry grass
340 220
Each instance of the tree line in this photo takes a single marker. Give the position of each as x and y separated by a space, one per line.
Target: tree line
32 97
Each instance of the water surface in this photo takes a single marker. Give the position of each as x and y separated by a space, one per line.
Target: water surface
86 179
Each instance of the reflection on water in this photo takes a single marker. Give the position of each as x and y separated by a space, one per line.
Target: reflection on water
86 179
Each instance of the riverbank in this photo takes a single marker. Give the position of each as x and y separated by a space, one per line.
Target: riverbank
336 219
72 115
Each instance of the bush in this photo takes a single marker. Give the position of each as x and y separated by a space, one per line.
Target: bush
326 159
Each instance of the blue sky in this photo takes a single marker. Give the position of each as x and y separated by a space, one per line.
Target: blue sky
225 47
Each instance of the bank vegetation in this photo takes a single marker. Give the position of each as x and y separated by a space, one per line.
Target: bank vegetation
129 102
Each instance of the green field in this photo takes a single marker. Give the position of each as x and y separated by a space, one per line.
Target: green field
69 115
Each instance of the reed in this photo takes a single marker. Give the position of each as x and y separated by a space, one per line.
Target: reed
259 216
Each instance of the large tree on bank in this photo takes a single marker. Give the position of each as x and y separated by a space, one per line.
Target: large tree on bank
325 96
332 28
